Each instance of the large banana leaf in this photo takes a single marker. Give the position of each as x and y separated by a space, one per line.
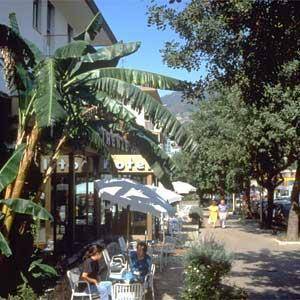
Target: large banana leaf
4 247
37 53
137 77
96 139
15 43
20 53
27 207
92 29
114 107
161 164
105 57
47 107
14 23
40 270
76 49
139 100
10 170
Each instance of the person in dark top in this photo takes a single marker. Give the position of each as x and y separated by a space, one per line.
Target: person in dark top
140 261
90 272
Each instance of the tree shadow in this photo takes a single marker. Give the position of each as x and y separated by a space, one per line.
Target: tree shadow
169 282
273 274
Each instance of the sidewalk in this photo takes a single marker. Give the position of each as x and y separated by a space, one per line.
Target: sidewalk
262 267
169 282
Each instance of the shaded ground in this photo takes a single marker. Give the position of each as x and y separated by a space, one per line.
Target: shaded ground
169 282
265 269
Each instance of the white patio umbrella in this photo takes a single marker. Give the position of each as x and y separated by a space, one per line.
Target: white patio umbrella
139 197
166 194
183 188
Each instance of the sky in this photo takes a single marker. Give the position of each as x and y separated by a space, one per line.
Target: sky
128 21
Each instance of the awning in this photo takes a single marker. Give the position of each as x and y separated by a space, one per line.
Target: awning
183 188
166 194
139 197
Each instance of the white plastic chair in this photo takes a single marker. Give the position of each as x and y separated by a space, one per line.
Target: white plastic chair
74 280
157 255
168 249
116 259
149 279
132 246
124 291
122 243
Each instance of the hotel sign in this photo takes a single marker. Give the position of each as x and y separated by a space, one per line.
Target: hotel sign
62 165
131 163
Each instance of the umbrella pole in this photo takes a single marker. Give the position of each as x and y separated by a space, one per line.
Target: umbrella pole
163 227
128 223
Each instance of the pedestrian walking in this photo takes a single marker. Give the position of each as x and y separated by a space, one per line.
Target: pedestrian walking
223 208
213 213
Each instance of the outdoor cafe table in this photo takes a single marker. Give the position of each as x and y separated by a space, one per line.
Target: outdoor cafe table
125 276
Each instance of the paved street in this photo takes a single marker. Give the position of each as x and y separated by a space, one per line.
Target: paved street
262 267
265 269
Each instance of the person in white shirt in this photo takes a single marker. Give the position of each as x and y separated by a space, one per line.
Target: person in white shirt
223 213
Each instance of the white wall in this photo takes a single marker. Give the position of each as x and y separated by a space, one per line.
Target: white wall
59 36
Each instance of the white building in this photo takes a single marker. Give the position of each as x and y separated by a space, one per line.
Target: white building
50 24
170 147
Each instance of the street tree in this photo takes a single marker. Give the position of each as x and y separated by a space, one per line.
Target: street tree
255 45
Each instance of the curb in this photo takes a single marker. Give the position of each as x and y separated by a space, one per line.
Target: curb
283 243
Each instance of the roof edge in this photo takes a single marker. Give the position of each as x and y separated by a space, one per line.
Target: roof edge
94 8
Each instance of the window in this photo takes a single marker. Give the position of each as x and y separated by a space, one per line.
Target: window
36 21
70 33
50 18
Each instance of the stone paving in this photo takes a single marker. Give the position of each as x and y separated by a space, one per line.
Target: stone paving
263 268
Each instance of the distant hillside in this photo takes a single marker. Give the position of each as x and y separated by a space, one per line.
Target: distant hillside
179 108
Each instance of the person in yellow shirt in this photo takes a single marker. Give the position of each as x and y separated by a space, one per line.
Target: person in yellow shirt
213 213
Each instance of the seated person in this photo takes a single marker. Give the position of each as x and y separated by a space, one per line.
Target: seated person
140 261
90 272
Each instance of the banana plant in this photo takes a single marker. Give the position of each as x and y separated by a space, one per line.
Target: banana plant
21 206
56 92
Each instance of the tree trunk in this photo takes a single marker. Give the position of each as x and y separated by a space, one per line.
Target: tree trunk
248 199
22 174
269 219
293 221
50 168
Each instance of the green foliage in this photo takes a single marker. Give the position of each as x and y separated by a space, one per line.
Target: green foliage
105 57
4 247
133 77
41 271
196 213
206 263
24 292
47 104
92 29
253 47
75 49
10 170
28 207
